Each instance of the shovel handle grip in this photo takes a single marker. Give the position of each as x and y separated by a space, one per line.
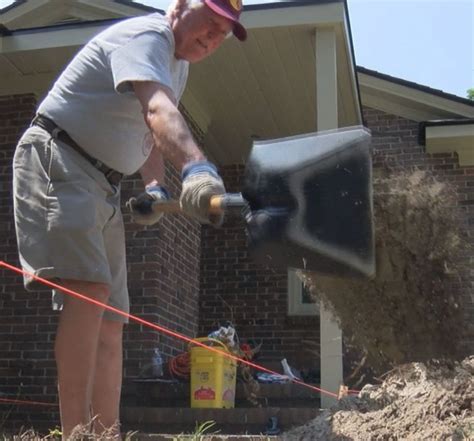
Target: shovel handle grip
217 205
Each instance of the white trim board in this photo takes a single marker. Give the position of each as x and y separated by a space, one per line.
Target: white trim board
452 138
409 102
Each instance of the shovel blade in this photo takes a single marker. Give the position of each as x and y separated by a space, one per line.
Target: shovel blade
322 182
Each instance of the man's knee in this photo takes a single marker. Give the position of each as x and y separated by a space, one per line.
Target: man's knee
110 338
111 331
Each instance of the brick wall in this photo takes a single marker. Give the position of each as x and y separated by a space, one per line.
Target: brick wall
163 266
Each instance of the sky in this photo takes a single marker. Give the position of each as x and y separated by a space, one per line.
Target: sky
430 42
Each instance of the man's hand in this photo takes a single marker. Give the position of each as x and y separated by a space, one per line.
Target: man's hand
200 182
141 207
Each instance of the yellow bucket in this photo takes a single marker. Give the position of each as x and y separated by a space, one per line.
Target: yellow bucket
213 376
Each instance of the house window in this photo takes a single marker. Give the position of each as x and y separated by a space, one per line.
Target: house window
300 301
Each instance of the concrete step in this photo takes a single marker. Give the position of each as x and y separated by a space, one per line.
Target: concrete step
237 421
159 393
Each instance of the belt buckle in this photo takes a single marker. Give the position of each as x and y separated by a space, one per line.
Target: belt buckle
113 176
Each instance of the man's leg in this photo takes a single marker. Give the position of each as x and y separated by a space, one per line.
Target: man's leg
76 351
108 377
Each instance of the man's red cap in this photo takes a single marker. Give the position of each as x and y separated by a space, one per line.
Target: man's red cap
230 9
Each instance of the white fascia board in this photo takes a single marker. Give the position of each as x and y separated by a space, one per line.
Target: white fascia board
50 38
114 7
397 90
78 36
25 8
386 103
450 131
452 138
294 16
352 67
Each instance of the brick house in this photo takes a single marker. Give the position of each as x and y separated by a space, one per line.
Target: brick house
296 74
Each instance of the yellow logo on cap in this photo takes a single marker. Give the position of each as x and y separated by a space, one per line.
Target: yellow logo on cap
236 4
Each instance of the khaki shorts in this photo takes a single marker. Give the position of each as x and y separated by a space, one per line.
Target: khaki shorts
68 219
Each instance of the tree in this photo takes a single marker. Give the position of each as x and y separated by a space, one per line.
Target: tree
470 93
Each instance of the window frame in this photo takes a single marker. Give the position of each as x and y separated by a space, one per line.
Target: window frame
296 307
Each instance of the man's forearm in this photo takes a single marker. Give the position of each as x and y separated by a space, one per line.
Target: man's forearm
173 137
168 127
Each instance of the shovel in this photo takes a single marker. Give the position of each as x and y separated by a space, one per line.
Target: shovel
307 201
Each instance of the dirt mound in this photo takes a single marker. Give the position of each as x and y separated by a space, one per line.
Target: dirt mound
415 402
413 309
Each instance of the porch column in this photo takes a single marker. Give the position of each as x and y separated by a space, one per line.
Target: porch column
326 110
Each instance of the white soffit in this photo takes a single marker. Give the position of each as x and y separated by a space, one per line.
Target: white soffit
266 87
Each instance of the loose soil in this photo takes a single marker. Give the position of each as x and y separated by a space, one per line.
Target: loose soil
417 401
410 320
414 308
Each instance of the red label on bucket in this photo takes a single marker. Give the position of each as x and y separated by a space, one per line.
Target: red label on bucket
204 393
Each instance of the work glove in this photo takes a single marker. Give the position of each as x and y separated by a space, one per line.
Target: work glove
200 182
141 207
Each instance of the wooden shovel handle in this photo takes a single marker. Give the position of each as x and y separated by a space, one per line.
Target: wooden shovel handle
217 205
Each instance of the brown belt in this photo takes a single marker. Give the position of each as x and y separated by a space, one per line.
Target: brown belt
113 176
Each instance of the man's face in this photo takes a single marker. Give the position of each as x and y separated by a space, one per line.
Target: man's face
199 33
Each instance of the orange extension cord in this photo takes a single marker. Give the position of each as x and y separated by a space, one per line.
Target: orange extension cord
180 366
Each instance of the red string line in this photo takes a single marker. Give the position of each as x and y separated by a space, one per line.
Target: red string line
36 403
159 328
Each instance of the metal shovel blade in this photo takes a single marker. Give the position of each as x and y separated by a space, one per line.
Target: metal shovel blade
313 194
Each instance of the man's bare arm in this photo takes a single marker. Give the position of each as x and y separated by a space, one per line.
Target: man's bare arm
169 129
174 140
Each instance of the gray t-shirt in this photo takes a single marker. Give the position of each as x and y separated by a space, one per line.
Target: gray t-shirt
93 99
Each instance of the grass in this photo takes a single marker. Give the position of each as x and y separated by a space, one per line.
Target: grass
199 432
202 432
81 433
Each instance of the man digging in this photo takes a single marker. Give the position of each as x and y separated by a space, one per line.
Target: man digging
112 112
